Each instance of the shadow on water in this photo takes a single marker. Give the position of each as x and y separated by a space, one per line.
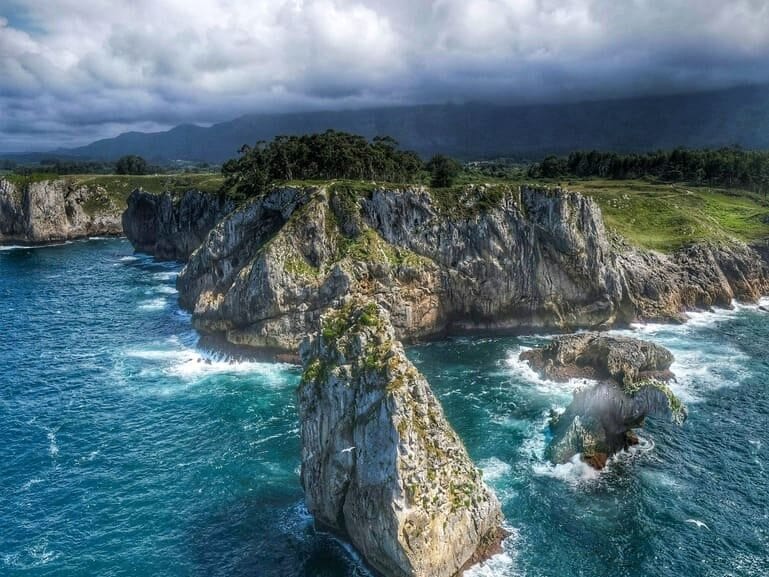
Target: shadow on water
268 534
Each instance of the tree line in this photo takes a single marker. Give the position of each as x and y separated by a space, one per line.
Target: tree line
725 167
324 156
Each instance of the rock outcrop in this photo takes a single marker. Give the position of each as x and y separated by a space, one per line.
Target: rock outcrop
521 259
381 466
630 386
171 228
598 356
56 210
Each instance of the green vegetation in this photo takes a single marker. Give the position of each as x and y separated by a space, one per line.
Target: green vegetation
327 156
175 184
666 217
131 164
726 167
443 171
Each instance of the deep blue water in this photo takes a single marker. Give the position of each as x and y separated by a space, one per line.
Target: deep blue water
124 450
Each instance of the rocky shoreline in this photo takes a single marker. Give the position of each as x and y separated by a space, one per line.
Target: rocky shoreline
531 259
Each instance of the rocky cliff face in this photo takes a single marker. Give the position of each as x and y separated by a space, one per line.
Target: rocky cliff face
380 464
528 258
56 210
629 375
168 228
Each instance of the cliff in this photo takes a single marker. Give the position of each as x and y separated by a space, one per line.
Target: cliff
381 466
171 227
56 210
489 259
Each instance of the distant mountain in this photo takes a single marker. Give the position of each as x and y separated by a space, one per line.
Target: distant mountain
474 131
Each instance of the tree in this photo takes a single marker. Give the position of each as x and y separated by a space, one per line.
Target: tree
131 164
443 170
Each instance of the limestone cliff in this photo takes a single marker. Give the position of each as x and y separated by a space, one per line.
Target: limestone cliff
629 386
526 258
171 228
381 466
56 210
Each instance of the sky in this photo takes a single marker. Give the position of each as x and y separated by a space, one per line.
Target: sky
73 71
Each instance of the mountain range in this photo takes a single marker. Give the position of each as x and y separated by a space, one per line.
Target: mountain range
736 116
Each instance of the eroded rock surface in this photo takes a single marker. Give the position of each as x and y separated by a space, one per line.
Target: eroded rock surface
171 228
56 210
525 258
600 357
381 466
599 422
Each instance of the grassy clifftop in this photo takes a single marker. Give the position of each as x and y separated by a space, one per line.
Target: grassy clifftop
668 216
651 215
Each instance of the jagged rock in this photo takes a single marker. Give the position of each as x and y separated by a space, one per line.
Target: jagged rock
381 466
56 210
171 228
599 421
525 258
600 357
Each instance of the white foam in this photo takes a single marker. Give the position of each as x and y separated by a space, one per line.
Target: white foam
502 564
32 247
165 276
494 469
53 447
522 371
128 258
191 364
153 304
166 290
574 473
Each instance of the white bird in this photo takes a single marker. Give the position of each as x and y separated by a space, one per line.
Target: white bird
347 450
698 523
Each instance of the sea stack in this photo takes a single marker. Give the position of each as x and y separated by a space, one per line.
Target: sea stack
381 466
629 377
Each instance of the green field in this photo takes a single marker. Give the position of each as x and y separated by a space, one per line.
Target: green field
668 216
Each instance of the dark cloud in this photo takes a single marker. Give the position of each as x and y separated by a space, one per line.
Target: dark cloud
72 71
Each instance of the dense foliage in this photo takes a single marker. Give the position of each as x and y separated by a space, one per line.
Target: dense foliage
726 167
325 156
443 170
131 164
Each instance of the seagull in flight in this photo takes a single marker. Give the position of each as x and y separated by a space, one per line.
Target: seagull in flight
347 450
698 523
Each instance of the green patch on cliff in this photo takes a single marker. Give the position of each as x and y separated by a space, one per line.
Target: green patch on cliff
176 184
468 200
666 217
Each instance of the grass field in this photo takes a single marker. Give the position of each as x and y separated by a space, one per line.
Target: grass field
666 217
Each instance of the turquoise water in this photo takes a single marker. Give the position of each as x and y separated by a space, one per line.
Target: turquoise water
124 450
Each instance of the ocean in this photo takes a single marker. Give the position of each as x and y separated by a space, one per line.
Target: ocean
126 450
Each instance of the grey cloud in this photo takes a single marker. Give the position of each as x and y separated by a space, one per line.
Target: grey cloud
72 71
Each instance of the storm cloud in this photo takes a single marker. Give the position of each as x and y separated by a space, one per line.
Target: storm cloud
72 71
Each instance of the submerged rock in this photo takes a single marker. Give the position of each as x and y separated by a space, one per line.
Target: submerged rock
381 466
599 421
